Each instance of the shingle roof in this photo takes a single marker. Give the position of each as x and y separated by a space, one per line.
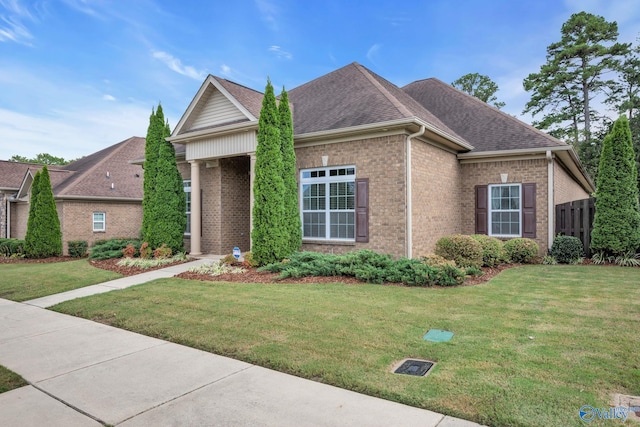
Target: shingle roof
249 98
485 127
351 96
93 175
12 173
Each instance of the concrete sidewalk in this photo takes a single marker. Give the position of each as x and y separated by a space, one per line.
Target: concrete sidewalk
83 373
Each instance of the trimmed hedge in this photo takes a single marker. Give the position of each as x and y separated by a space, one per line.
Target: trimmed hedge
10 247
367 266
77 248
567 249
112 248
521 250
492 249
462 249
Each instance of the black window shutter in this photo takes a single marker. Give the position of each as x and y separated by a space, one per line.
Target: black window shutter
529 210
362 210
482 209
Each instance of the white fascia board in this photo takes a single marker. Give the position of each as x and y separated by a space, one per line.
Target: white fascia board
212 132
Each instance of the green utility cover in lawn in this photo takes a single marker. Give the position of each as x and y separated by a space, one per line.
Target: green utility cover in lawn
436 335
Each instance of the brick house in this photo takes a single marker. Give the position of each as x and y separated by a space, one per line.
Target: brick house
379 167
97 197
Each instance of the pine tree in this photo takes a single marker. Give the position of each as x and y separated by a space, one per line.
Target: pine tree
268 237
292 225
43 238
616 226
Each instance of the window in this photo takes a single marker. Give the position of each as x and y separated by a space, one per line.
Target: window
187 193
328 203
99 221
505 210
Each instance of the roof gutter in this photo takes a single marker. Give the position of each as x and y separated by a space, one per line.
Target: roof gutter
409 204
107 199
398 123
565 153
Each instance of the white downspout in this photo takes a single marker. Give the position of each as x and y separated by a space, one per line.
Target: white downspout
8 218
409 232
551 213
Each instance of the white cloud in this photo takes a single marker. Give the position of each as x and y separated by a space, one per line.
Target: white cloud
372 53
12 27
108 97
70 133
176 65
280 53
269 12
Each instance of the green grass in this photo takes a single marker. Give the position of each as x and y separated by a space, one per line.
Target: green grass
25 281
9 380
583 322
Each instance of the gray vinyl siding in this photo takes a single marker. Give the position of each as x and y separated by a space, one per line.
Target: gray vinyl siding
214 109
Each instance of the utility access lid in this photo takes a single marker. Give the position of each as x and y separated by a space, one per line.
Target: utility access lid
415 367
436 335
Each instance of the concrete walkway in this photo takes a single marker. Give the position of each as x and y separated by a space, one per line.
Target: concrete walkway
83 373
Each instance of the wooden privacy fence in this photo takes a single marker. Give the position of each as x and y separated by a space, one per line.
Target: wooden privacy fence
576 219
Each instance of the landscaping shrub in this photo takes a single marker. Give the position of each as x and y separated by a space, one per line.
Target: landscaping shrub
567 249
129 251
521 250
433 260
77 248
111 248
462 249
163 252
145 250
249 261
492 249
229 259
367 266
11 247
43 238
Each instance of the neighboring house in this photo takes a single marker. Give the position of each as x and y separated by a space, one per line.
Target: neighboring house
379 167
97 197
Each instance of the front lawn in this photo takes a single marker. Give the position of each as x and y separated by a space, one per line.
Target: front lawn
26 281
9 380
530 347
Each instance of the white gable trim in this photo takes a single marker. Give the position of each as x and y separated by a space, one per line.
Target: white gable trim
208 82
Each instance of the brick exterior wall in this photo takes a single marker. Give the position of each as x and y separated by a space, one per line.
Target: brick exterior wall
436 181
565 188
123 219
382 160
225 205
520 171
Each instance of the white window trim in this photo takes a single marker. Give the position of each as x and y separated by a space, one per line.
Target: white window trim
491 210
327 179
103 222
187 189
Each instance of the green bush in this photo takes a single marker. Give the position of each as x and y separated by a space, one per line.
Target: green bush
492 249
44 237
462 249
77 248
567 249
112 248
9 247
521 250
367 266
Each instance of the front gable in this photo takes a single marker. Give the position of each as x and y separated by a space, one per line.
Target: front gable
213 106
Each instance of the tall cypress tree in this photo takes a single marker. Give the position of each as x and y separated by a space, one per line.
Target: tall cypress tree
152 145
268 237
44 237
616 226
292 225
170 202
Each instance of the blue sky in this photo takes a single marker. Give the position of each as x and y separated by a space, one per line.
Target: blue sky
79 75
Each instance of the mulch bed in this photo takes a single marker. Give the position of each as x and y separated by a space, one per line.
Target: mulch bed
251 275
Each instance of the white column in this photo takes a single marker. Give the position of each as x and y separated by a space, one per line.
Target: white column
252 169
196 208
